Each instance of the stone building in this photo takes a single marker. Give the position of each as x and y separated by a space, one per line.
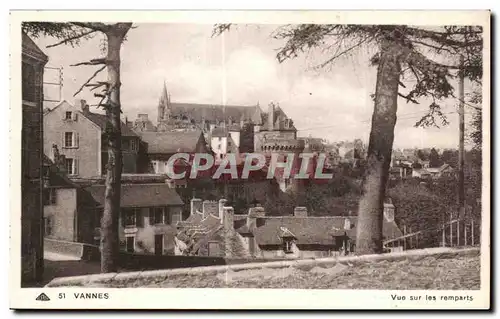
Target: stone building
32 178
79 135
277 135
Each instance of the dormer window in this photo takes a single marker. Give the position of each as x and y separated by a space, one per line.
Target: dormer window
287 245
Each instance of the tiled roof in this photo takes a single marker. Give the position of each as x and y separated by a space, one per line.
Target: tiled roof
140 195
101 119
312 230
212 112
171 142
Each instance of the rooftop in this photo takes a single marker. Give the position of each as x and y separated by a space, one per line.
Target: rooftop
171 142
139 195
101 120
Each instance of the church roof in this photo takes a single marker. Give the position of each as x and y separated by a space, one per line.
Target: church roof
213 112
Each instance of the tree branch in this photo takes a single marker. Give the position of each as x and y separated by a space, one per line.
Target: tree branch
408 98
92 62
96 26
338 55
71 39
90 79
97 85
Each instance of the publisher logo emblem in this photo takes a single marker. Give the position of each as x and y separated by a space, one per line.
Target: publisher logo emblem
42 297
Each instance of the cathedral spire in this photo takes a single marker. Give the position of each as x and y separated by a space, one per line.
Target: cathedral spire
164 103
165 97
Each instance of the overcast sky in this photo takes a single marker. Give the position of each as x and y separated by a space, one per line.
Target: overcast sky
241 68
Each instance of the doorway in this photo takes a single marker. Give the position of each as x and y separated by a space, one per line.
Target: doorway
130 244
159 244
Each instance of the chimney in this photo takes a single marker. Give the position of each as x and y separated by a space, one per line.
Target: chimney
389 212
254 213
300 211
228 218
196 206
270 117
82 104
222 203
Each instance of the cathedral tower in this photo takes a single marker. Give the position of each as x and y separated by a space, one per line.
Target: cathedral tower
164 105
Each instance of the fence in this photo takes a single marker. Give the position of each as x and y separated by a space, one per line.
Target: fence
456 232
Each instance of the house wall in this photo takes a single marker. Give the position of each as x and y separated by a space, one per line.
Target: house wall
235 135
88 151
62 214
216 143
31 167
145 234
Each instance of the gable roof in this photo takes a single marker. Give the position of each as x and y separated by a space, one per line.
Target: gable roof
139 195
101 120
171 142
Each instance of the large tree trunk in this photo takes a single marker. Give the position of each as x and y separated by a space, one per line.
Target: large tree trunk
370 215
111 217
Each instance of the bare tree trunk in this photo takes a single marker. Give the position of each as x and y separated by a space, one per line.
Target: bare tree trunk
111 217
370 214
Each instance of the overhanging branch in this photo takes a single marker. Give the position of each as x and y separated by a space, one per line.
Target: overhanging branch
90 79
92 62
96 26
71 39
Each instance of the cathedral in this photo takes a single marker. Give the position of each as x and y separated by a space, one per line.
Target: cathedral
227 128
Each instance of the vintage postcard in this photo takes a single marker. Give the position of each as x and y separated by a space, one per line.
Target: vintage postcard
297 159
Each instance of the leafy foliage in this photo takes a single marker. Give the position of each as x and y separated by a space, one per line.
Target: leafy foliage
434 158
70 33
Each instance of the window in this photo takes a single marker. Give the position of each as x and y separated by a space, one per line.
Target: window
214 249
220 138
130 217
69 115
48 226
287 245
49 196
125 145
219 146
29 82
158 215
175 217
133 145
70 139
71 166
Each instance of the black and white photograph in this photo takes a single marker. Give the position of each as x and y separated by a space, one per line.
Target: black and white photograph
346 154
